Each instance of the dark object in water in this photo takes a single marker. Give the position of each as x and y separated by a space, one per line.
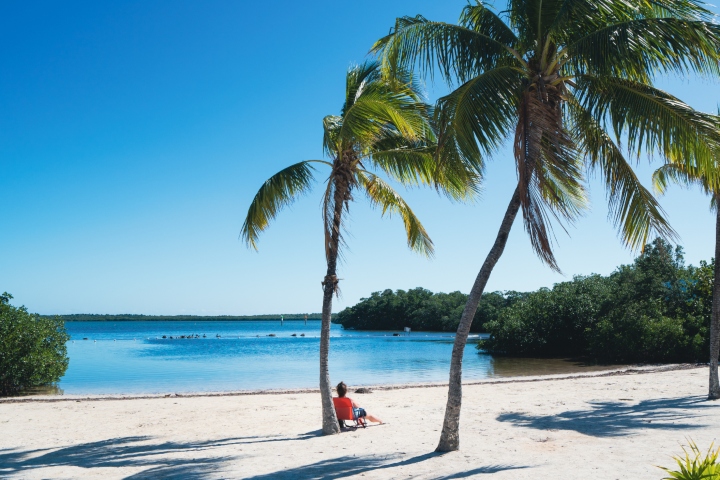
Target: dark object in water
363 390
302 334
294 335
164 336
271 335
85 338
204 336
396 334
217 335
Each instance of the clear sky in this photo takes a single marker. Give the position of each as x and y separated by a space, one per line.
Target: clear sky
133 136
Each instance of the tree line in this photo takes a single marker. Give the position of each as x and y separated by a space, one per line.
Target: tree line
422 310
656 309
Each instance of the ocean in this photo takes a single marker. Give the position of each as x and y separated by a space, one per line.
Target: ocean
133 357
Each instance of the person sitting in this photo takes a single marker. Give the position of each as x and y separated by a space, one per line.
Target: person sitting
358 411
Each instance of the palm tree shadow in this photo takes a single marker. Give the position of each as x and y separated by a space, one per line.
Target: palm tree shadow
345 466
137 451
123 452
613 419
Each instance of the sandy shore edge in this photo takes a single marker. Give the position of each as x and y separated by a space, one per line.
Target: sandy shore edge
630 370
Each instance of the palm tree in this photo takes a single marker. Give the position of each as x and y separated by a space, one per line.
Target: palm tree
384 126
567 80
710 183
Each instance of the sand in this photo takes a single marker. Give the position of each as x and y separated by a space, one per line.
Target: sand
596 426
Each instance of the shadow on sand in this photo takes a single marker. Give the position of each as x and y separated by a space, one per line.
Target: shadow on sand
195 461
163 460
612 419
341 467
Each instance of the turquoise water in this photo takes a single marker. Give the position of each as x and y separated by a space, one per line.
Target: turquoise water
132 357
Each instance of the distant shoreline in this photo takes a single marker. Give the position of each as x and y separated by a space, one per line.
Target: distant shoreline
182 318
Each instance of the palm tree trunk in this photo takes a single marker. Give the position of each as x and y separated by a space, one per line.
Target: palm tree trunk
714 392
450 436
330 425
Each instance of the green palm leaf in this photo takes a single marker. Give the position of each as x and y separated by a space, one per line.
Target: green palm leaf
641 48
382 195
474 119
650 119
458 51
277 192
632 208
684 175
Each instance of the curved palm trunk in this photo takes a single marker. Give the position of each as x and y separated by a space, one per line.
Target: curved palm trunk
714 392
450 436
330 425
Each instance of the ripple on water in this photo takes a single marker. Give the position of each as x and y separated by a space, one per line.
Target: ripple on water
246 358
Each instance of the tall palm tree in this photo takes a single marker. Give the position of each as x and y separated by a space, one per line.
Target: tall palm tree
710 183
384 126
567 80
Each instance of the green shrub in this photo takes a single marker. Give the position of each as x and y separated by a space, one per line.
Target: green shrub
548 322
421 310
693 467
32 349
655 310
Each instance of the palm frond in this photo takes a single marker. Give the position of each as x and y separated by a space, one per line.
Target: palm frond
632 208
415 165
408 162
686 9
576 18
382 195
533 19
459 53
473 120
641 48
377 109
479 18
549 175
686 176
652 120
331 135
357 77
277 192
679 174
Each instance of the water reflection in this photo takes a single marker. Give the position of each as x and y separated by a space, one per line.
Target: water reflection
42 390
518 367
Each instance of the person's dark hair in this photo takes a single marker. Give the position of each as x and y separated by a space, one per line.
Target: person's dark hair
341 389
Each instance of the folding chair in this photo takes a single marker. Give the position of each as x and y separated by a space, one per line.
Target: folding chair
344 411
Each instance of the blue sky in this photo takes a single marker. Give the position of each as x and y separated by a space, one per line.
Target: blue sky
133 136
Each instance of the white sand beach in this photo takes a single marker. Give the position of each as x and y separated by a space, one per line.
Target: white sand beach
598 426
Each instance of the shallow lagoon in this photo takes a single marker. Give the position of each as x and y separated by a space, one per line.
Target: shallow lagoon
132 357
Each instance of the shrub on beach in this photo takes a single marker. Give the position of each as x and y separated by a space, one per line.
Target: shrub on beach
655 310
694 466
32 348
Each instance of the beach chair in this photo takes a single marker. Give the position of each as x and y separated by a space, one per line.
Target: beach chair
344 411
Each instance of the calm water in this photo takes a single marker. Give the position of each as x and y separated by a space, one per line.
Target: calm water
132 357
